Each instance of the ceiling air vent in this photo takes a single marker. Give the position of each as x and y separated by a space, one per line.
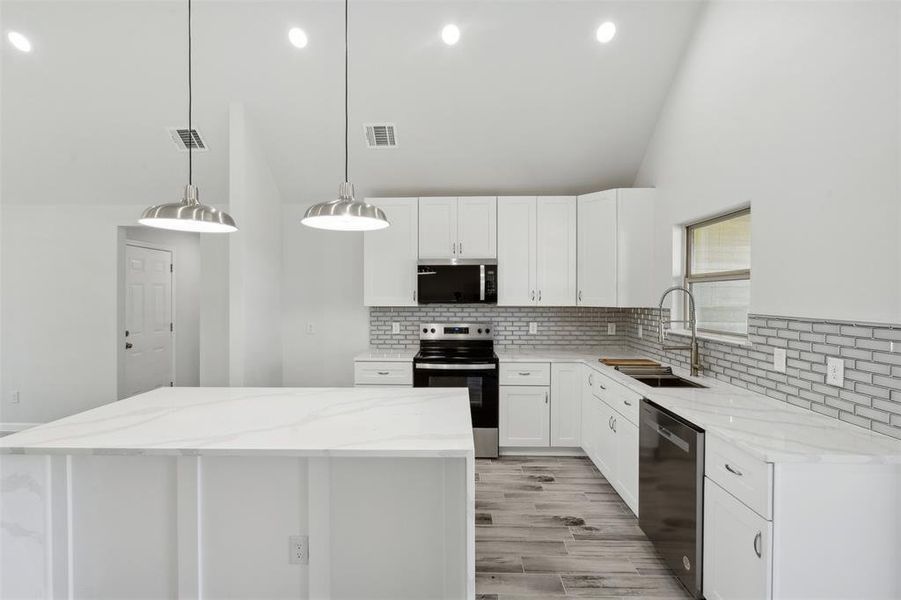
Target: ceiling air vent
380 135
183 137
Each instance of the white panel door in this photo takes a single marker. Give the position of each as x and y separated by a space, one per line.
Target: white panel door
627 461
566 404
477 227
737 556
597 241
605 440
389 255
524 415
556 251
438 227
516 248
148 319
636 249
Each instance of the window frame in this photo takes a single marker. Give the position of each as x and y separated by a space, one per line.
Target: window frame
733 275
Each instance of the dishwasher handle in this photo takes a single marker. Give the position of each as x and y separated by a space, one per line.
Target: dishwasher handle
672 437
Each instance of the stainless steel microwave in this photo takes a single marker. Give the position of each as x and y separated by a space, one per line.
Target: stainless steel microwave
457 282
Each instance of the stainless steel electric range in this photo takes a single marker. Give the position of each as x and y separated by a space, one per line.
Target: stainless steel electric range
462 355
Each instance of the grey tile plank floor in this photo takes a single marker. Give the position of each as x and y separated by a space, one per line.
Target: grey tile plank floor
555 528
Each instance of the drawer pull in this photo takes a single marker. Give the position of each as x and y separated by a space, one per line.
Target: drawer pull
526 374
591 379
601 386
758 550
732 470
627 403
383 372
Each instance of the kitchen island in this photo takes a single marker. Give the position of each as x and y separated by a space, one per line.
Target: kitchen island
244 492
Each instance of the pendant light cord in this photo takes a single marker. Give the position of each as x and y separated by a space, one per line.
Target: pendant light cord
346 179
190 102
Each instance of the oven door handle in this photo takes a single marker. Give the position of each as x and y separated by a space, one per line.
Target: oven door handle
460 367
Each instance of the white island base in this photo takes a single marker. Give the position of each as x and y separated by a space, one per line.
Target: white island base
212 488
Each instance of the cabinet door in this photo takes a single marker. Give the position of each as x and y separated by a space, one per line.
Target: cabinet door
516 251
566 404
635 249
737 548
556 266
605 453
438 227
524 415
597 241
588 418
477 227
389 255
627 461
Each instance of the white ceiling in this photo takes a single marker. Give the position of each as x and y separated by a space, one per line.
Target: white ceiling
526 102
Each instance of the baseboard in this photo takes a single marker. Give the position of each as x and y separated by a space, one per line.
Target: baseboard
533 451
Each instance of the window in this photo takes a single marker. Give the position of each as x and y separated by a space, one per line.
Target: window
718 272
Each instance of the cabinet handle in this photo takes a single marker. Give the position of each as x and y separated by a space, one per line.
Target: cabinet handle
461 248
545 397
453 247
614 424
757 541
414 295
580 295
383 372
610 423
733 470
533 295
526 374
539 295
627 403
602 387
591 379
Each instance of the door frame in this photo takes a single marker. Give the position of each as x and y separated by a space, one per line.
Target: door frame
124 242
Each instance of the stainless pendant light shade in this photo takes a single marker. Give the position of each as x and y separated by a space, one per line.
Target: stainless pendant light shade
189 214
345 213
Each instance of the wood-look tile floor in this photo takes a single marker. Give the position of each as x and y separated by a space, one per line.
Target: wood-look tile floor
554 527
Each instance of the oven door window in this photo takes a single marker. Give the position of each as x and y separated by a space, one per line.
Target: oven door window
473 383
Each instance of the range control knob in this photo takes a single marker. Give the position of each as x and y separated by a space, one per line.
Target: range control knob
480 330
433 330
488 330
425 330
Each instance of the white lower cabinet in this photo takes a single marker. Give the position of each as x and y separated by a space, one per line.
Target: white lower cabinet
626 483
737 548
566 404
524 415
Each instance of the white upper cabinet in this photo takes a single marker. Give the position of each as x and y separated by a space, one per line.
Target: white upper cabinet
451 227
516 250
597 249
536 251
616 248
477 227
438 227
556 273
389 255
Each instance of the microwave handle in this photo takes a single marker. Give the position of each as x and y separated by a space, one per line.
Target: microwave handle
482 283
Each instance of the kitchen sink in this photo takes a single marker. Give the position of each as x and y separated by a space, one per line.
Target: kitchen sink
658 377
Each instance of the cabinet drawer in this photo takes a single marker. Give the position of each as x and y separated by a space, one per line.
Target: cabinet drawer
619 397
383 373
742 475
521 373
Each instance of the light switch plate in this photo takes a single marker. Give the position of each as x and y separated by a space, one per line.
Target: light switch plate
14 397
311 329
611 328
299 549
533 327
779 360
395 327
835 371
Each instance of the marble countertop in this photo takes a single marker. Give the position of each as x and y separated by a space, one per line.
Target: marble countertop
771 430
377 355
359 422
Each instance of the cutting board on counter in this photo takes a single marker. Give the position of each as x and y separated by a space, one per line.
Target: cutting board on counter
629 362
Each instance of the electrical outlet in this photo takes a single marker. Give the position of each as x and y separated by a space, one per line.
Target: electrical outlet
835 371
299 549
611 328
395 328
640 331
533 327
14 397
311 329
779 360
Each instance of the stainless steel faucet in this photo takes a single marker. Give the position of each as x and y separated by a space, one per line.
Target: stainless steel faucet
692 325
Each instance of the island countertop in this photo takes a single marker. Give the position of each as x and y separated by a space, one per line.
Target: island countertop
389 422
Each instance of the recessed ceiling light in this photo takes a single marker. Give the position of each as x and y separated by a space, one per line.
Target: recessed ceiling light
297 37
606 32
19 41
450 34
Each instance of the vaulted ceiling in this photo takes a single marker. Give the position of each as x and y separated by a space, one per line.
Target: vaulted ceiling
527 102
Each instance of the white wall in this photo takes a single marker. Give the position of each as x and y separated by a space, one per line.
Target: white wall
186 300
255 260
323 285
793 107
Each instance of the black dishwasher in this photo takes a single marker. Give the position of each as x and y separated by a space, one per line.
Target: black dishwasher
671 491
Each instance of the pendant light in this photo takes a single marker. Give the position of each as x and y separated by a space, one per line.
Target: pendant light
189 214
345 213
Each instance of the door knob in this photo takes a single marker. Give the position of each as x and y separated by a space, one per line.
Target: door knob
128 345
